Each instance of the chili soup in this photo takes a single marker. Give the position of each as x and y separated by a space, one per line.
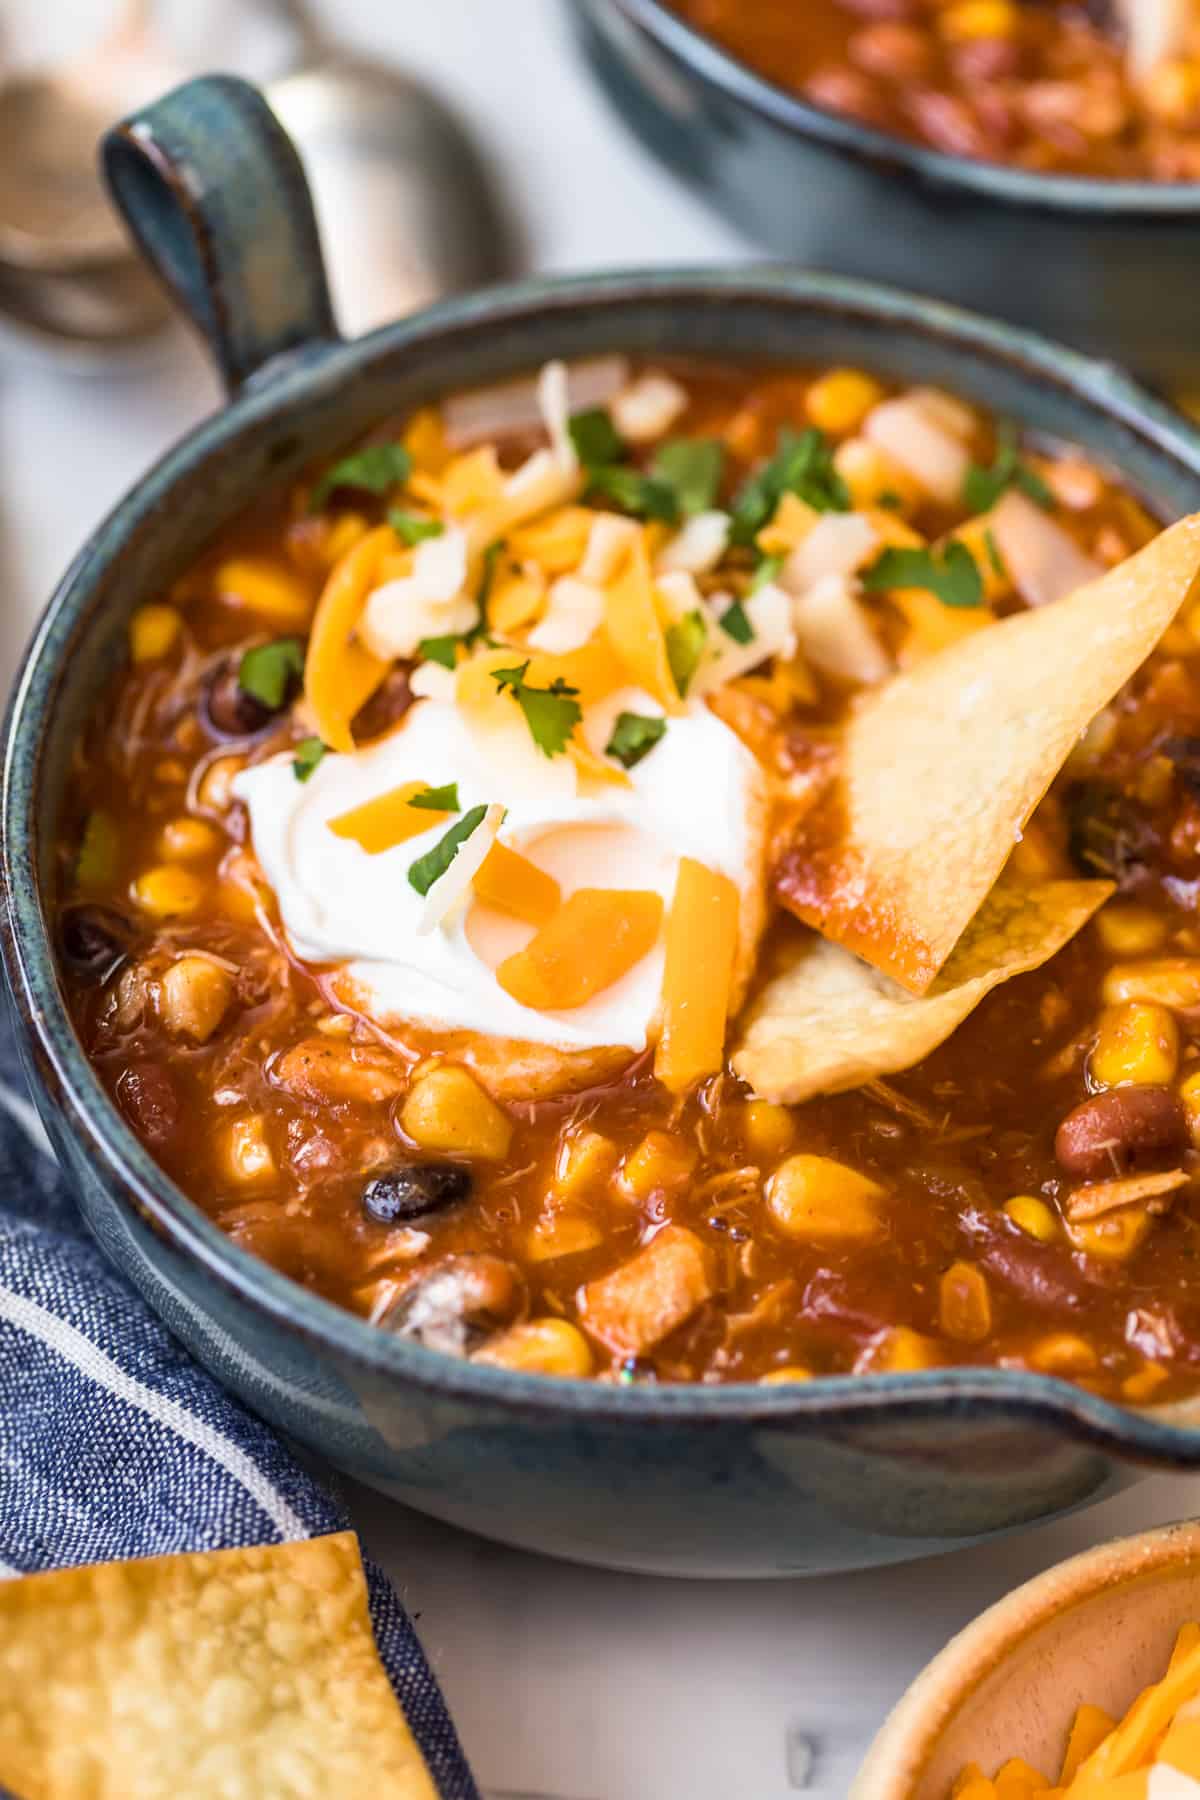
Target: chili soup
679 873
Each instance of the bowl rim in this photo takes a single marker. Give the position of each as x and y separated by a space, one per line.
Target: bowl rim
1137 201
900 1750
69 1093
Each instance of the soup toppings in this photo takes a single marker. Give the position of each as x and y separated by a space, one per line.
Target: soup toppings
674 873
1110 90
1153 1754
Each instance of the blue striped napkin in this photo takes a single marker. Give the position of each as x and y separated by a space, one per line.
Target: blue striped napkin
114 1443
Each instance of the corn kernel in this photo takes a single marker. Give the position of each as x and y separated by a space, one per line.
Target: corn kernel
840 401
1129 930
899 1351
873 479
1035 856
973 19
247 1153
1137 1043
1033 1217
585 1161
1114 1237
152 632
194 996
268 587
216 784
446 1109
767 1129
965 1304
184 839
539 1347
815 1198
659 1162
1145 1381
782 1377
1167 980
1063 1353
1189 1093
561 1234
168 892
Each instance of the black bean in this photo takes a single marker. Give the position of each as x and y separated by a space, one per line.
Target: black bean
1110 835
149 1101
415 1191
232 712
95 941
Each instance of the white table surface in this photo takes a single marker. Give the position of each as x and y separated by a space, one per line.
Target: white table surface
564 1682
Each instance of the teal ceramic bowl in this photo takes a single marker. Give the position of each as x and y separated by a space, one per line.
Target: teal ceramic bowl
1109 266
737 1480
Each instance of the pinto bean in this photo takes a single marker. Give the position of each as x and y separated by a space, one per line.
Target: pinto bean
1101 1135
149 1101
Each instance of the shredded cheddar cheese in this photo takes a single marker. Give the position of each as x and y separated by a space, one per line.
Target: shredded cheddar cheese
698 975
594 938
511 883
635 630
340 675
1154 1749
389 819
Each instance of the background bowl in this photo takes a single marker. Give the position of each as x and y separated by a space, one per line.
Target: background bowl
1098 1628
1110 267
735 1480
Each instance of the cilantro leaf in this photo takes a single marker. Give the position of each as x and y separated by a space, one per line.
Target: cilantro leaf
309 752
983 487
551 713
890 500
443 799
994 556
633 492
692 468
377 468
595 437
411 528
634 736
425 871
685 646
766 571
487 576
268 670
443 650
802 465
735 622
955 579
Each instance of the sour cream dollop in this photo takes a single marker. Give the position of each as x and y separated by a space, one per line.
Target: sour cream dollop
694 794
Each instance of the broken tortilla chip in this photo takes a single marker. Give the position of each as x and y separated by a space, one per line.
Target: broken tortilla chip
942 767
832 1022
251 1671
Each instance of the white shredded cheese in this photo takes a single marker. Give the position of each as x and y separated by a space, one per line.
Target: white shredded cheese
449 888
835 632
574 609
838 544
554 404
908 432
430 681
769 613
648 407
609 539
427 603
697 547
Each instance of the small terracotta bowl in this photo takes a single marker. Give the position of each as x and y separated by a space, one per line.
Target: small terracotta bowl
1098 1628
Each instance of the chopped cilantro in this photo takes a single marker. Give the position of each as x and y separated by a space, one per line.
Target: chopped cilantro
411 528
890 500
443 799
802 465
633 737
551 713
691 468
425 871
377 468
983 487
443 650
685 646
486 577
268 671
955 579
994 556
595 437
633 492
735 622
766 571
309 752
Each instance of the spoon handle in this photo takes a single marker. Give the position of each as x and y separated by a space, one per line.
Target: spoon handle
214 193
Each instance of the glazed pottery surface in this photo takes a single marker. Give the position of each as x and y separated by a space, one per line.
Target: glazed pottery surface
1096 1629
1110 267
734 1480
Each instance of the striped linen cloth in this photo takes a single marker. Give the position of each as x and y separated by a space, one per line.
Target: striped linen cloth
114 1443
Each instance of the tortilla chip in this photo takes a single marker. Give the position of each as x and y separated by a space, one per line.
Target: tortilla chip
942 766
251 1671
832 1022
1096 1198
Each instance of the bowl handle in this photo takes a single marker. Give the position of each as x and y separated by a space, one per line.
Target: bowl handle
214 193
